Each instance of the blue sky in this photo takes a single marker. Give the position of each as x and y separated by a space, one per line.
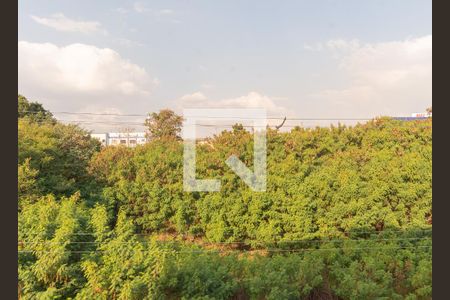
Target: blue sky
298 58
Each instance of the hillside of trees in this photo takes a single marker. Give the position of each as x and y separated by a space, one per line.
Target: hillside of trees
347 214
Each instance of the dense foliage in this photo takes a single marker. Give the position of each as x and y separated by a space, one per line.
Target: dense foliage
346 215
165 124
53 158
33 110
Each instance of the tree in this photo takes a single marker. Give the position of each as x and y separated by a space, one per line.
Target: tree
321 181
165 124
27 189
60 153
33 110
49 262
361 194
123 267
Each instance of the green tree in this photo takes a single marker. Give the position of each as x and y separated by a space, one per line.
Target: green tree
27 189
49 262
59 153
122 267
33 110
347 215
165 124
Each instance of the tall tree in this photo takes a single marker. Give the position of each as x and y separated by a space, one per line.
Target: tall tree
60 153
53 157
165 124
33 110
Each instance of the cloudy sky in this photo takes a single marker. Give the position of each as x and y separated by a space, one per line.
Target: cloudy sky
301 59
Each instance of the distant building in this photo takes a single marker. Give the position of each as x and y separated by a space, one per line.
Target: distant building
415 116
129 139
102 137
421 115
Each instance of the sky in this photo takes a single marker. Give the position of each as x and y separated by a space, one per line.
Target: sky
300 59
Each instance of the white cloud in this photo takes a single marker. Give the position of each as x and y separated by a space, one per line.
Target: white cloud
333 44
121 10
161 15
389 78
309 47
207 86
194 97
77 75
60 22
251 100
165 12
140 7
127 43
106 119
342 45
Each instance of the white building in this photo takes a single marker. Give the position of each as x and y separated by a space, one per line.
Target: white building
129 139
422 115
102 137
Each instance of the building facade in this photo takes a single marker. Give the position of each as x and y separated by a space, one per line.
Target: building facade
129 139
422 115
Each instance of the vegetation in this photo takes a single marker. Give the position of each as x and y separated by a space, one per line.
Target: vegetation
165 124
33 110
346 215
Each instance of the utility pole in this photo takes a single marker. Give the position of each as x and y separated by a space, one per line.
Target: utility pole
281 125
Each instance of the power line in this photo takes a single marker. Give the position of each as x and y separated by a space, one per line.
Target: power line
124 123
221 250
232 243
338 232
141 124
208 117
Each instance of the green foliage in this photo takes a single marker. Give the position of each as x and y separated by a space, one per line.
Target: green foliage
59 153
122 267
49 265
346 214
321 182
283 277
165 124
26 183
382 270
199 275
33 111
